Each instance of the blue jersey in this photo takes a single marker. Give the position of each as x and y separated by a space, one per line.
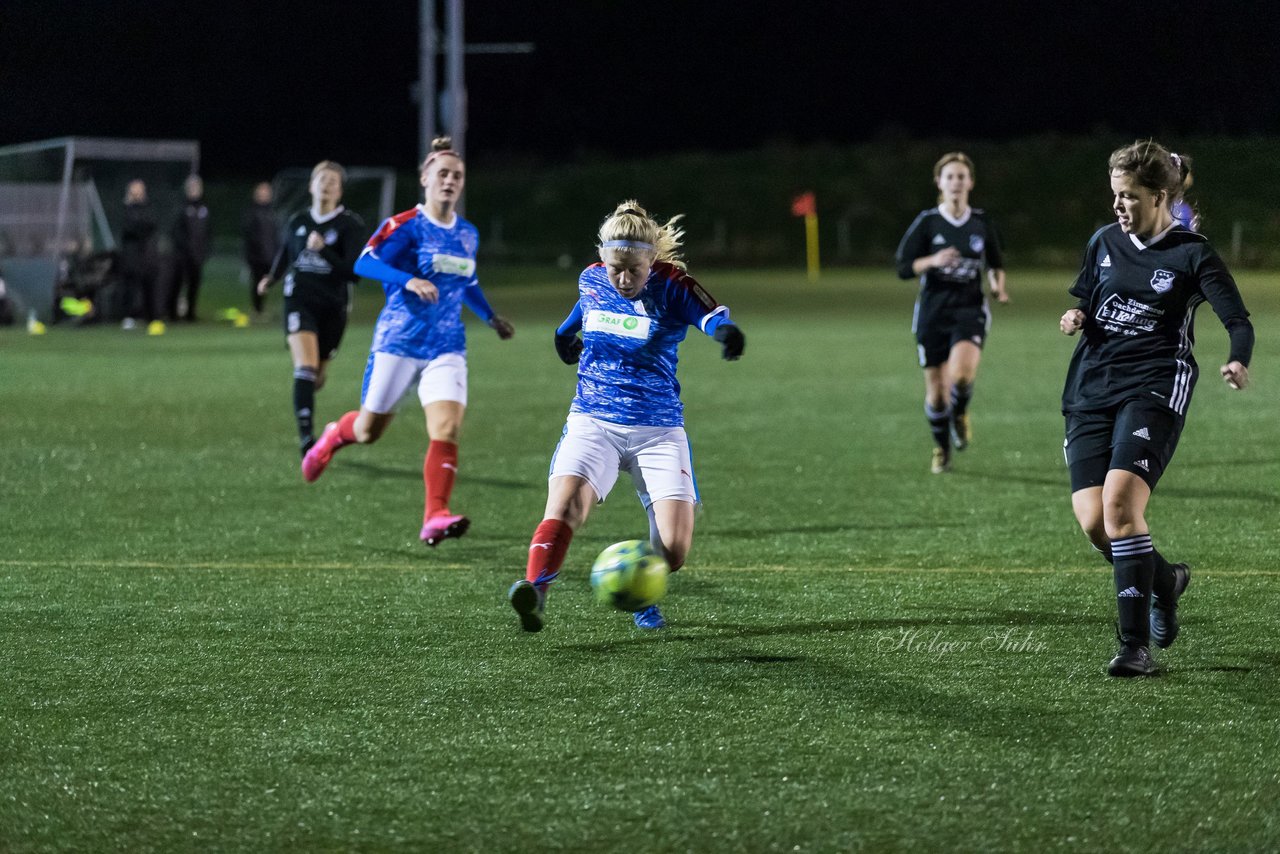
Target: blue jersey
1185 214
627 371
412 245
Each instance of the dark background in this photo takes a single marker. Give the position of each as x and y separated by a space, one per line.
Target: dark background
271 84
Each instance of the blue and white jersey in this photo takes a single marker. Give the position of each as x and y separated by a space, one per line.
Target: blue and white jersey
627 371
413 245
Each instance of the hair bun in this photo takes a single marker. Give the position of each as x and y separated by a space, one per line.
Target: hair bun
442 143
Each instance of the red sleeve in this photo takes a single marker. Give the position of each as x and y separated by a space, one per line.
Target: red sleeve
388 226
690 285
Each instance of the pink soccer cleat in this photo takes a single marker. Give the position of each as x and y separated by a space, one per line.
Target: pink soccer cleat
316 459
443 527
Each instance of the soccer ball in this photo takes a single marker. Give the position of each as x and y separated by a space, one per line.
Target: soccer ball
629 576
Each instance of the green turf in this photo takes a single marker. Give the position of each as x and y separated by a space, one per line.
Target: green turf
201 652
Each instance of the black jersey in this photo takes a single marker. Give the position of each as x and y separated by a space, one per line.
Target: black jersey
322 276
1139 303
958 285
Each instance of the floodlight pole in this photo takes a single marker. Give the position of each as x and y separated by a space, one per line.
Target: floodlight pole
427 50
456 49
453 78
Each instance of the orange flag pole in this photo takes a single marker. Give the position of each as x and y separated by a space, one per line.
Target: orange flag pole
806 206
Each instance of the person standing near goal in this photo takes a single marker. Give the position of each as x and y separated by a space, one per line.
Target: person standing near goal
633 310
317 260
947 248
425 258
1130 382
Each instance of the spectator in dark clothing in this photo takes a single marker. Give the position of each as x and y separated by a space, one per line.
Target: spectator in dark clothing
191 238
261 231
139 264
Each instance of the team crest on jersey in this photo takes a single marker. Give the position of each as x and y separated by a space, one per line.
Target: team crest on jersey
331 237
302 230
612 323
468 242
452 264
976 243
1162 281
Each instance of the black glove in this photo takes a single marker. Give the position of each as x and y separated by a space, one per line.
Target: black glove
503 327
568 348
733 340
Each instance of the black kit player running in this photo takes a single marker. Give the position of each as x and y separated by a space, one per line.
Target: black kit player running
951 248
1130 382
317 285
951 306
317 258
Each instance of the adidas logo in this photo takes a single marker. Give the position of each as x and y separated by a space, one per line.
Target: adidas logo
1142 464
1106 262
1142 433
938 240
1129 593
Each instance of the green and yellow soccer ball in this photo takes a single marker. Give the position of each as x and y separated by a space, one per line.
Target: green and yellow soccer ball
629 576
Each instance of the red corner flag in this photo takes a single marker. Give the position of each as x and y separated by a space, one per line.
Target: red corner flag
804 205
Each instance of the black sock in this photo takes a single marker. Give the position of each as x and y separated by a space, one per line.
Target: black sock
1135 565
939 425
1163 582
1106 554
304 401
961 393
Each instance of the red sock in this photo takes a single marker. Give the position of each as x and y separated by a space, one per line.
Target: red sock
438 472
547 549
346 433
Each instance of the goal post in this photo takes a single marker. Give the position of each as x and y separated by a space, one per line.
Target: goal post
62 199
370 191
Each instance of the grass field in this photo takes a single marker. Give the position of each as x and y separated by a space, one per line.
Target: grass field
201 652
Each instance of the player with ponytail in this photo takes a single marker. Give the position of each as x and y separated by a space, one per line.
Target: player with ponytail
1130 382
425 258
634 308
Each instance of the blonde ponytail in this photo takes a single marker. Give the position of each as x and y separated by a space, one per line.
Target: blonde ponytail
630 229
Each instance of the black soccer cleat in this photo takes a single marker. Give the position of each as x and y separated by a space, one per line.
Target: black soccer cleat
1132 661
1164 615
528 602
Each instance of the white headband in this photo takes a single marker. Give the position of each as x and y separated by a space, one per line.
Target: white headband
626 244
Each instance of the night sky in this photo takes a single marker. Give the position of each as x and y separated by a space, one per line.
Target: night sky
268 84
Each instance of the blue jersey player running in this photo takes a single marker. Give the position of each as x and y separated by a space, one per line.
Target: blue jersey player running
426 260
633 310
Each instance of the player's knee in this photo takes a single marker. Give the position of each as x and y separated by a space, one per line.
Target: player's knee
1120 520
674 553
446 433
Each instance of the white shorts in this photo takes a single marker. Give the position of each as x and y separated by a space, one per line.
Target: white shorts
388 377
657 458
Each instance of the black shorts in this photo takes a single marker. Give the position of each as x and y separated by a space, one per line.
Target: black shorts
938 331
327 322
1137 436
